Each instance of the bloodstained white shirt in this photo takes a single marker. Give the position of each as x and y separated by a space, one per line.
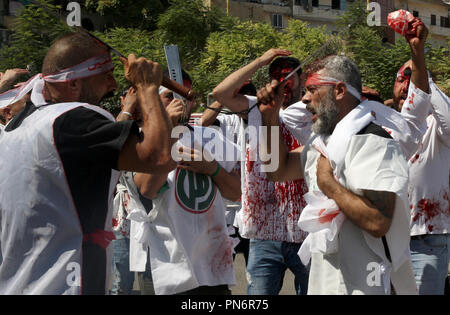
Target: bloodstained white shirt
429 169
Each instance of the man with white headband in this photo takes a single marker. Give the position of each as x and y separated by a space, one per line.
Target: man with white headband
62 158
358 191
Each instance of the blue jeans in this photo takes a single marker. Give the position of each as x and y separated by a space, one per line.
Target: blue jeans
430 256
123 278
267 263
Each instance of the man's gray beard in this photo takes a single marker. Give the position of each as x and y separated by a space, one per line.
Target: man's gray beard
327 115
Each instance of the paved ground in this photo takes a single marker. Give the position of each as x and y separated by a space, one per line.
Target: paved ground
241 281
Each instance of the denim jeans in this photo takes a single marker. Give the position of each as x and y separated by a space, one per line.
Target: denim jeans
267 263
430 257
123 278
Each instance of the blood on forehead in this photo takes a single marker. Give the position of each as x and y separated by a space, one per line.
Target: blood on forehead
405 70
316 79
279 73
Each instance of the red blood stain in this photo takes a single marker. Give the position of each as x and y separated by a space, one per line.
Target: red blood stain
414 158
222 260
273 209
250 164
327 217
427 209
115 222
411 99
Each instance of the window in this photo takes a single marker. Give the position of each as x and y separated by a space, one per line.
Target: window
298 2
277 20
315 3
444 21
416 13
336 4
433 19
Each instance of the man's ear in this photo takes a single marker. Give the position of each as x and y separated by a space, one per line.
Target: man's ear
340 90
6 113
75 87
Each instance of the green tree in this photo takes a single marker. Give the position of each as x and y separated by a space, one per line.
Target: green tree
227 51
142 14
188 24
127 41
34 31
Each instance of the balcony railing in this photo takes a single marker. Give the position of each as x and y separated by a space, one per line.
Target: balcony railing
321 12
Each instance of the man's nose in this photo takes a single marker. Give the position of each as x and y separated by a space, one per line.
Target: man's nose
405 85
306 98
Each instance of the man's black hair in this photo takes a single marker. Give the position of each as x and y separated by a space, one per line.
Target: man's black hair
284 63
248 89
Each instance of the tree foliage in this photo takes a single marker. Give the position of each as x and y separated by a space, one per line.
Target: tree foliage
213 45
34 31
188 24
142 14
127 41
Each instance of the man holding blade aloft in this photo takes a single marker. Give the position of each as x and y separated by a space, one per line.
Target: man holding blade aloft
60 163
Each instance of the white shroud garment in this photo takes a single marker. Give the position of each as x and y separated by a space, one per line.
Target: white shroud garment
361 162
186 229
41 245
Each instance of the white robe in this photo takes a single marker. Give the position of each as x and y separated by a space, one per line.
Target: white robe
40 238
371 163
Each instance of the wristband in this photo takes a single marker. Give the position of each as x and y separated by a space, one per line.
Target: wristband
126 113
217 170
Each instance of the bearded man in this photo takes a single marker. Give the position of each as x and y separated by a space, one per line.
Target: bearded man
60 162
357 201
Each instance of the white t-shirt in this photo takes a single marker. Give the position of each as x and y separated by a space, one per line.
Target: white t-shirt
270 210
429 169
189 243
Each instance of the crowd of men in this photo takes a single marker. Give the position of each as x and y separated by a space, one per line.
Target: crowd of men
357 203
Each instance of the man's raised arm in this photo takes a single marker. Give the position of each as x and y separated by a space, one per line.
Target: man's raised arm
226 91
289 163
148 152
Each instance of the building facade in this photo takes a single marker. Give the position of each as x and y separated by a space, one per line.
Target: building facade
434 13
9 9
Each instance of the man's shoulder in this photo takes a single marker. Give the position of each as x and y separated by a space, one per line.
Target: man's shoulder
374 129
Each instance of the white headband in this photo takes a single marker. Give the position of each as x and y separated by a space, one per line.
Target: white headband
350 88
93 66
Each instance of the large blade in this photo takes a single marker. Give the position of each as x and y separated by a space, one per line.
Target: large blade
175 74
174 65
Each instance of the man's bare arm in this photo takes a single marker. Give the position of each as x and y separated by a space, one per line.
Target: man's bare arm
151 150
8 78
149 184
419 74
289 163
209 115
225 92
372 212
